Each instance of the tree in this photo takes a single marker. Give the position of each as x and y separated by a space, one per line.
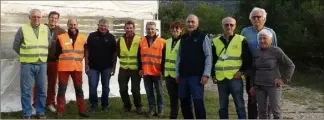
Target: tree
210 15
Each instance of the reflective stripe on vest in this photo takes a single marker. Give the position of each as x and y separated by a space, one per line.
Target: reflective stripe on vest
170 58
34 49
71 58
128 58
226 68
151 57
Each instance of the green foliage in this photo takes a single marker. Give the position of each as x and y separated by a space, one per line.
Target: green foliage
298 25
210 16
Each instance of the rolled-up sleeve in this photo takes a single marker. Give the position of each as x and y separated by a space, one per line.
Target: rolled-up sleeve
207 48
178 61
17 40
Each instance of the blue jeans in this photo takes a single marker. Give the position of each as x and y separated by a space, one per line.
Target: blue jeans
191 88
30 72
149 82
93 79
235 88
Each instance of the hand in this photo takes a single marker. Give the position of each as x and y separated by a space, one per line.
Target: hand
214 80
252 92
177 79
204 80
278 82
237 75
112 73
86 69
141 74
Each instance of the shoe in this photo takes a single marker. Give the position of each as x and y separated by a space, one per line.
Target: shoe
84 114
26 117
41 117
59 115
126 109
51 108
160 114
33 111
106 109
93 110
151 114
139 110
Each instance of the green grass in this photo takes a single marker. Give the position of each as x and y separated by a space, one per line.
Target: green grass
211 104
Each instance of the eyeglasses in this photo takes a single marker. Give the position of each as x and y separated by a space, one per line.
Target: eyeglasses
38 17
256 17
231 25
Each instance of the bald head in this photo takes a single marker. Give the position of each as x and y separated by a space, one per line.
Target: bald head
229 25
192 22
72 25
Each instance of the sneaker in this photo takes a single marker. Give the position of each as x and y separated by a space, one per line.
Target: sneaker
150 114
33 111
139 110
26 117
93 110
84 114
59 115
106 109
126 109
160 114
41 117
51 108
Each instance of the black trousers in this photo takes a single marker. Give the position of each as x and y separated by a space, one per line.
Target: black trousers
123 79
252 103
172 87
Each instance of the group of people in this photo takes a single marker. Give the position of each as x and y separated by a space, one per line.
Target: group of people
186 60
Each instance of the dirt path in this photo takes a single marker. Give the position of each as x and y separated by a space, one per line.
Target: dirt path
296 103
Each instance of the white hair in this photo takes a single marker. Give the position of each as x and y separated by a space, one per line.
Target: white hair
34 10
223 20
265 32
264 13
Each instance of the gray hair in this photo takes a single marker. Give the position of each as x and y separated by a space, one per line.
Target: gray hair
193 15
103 21
266 33
150 23
264 13
223 20
34 10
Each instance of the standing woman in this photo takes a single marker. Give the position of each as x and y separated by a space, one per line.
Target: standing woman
268 79
172 47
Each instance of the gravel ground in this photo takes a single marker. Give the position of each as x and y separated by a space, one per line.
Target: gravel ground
292 109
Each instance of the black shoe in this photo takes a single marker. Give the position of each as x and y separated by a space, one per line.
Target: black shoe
93 110
139 110
126 109
160 114
106 109
40 116
83 114
151 114
26 117
59 115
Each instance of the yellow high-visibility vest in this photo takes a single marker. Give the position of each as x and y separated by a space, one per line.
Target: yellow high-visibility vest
128 58
170 58
34 48
226 68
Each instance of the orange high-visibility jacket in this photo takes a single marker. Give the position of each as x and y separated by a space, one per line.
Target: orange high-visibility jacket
71 57
151 57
